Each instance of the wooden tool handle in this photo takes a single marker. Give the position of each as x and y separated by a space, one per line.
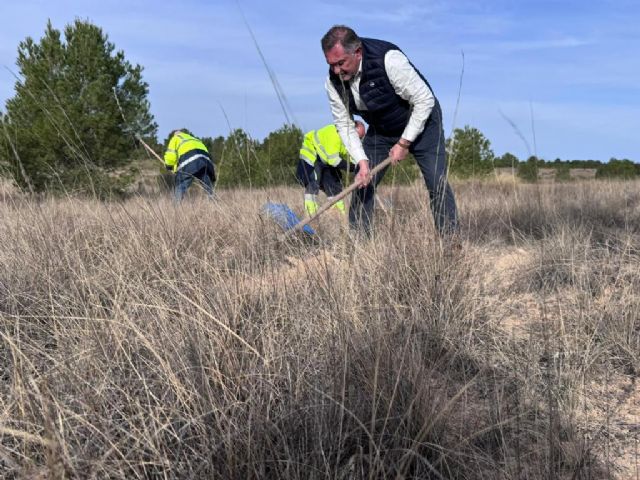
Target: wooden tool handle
337 198
139 138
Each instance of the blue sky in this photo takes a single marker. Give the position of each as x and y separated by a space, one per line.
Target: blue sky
566 74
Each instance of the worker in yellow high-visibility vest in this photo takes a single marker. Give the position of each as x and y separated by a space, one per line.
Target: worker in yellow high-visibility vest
189 159
323 157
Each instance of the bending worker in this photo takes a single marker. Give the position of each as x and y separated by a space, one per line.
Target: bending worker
375 80
323 157
189 159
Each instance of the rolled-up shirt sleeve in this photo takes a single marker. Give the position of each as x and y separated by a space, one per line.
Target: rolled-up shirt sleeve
410 86
344 124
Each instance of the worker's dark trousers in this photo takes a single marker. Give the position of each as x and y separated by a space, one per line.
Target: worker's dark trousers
429 151
200 169
321 177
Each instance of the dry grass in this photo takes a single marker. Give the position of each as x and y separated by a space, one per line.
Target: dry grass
139 340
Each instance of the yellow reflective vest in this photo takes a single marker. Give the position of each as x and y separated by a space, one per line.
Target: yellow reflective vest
324 144
179 145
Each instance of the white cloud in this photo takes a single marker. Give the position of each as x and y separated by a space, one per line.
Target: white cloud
539 44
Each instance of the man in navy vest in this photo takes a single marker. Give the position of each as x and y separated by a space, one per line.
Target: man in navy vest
375 80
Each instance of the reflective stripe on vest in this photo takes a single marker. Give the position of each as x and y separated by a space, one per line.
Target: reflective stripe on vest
332 159
185 138
308 155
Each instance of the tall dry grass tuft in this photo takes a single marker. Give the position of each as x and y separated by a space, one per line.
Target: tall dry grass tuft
141 340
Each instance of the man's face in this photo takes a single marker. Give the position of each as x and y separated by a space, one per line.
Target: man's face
343 64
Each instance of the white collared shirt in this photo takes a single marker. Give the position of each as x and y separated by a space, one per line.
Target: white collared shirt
407 84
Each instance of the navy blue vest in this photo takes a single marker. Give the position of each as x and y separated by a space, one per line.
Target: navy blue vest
386 112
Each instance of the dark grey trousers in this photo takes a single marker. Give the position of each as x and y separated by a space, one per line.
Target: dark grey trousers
429 152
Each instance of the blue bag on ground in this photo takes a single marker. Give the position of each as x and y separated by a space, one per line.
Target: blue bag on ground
285 217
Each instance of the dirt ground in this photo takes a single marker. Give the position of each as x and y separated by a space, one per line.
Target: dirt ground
608 409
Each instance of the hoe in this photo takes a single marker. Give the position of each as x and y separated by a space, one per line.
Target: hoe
288 220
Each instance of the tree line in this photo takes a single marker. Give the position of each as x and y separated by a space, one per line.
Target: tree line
470 155
79 104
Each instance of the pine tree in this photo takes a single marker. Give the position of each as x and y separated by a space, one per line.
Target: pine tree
75 110
238 163
278 156
528 171
470 153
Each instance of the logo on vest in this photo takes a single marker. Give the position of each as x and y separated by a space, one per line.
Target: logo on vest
372 84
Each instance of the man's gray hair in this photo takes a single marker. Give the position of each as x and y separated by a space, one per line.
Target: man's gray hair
343 35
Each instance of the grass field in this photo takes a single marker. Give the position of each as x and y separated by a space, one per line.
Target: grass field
140 340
